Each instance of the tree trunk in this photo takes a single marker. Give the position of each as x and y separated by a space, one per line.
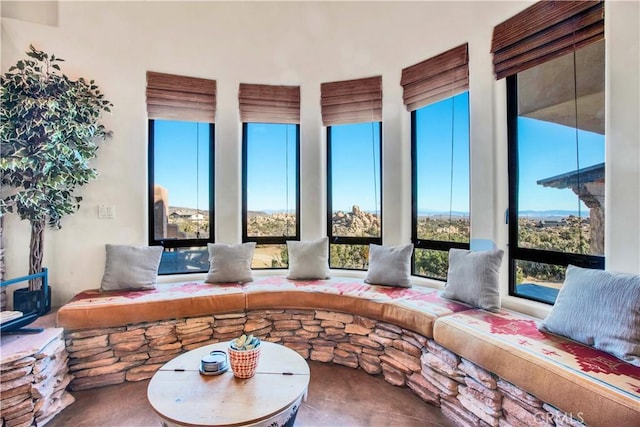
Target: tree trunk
3 292
36 248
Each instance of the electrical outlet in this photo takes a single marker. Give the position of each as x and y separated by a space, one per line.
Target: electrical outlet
106 211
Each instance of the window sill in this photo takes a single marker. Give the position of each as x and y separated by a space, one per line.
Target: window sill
525 306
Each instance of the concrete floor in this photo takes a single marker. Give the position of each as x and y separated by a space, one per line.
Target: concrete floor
338 396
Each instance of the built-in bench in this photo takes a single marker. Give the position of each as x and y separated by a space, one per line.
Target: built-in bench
587 383
448 353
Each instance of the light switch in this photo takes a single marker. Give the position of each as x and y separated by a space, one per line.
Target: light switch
106 211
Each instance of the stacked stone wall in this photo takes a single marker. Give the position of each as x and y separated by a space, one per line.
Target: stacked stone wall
33 385
466 393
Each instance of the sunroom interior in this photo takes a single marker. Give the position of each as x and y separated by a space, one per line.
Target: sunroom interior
589 182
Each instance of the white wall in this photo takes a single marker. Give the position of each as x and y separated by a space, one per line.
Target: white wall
302 44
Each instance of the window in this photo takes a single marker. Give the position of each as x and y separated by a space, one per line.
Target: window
352 112
556 164
270 170
354 202
181 113
440 155
181 177
552 54
435 91
270 190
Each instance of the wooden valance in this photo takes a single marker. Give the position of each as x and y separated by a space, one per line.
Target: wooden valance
172 97
436 78
544 31
269 104
351 101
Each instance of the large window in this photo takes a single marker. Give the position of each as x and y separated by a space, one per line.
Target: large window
270 190
556 170
440 155
354 193
181 112
435 91
352 113
181 193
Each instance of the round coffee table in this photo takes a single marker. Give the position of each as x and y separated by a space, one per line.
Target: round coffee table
184 397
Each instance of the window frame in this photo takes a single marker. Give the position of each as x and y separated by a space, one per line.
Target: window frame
517 253
438 245
268 240
179 243
350 240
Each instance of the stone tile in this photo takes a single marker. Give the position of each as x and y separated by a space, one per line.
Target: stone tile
392 375
411 362
407 347
321 356
423 388
481 375
365 342
97 381
132 335
352 328
338 317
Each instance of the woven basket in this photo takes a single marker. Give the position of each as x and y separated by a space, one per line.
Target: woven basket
244 362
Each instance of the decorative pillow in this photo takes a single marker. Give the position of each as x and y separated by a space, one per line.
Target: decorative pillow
131 267
230 263
600 309
390 265
308 259
473 277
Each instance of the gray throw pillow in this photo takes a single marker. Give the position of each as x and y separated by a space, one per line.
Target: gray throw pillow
600 309
230 263
130 267
308 259
473 278
390 265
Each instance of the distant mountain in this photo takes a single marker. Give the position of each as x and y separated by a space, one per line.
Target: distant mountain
531 214
458 214
552 214
253 214
186 211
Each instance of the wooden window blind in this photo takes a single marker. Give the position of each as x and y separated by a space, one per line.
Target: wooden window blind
436 78
269 104
544 31
351 101
172 97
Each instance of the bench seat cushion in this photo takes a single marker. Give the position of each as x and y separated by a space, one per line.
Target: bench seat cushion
95 309
575 378
412 308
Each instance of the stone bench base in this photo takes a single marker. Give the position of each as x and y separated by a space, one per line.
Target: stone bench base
466 393
33 378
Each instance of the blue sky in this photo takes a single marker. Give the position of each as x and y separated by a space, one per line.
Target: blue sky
442 146
182 162
355 158
271 179
546 149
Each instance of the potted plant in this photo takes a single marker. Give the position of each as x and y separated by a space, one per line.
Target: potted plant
49 132
244 354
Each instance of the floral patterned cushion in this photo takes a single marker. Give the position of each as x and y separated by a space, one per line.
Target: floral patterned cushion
413 308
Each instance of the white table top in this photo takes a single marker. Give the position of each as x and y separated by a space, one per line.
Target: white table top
180 394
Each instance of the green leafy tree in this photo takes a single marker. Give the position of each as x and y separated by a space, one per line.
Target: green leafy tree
349 256
281 261
432 263
49 132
